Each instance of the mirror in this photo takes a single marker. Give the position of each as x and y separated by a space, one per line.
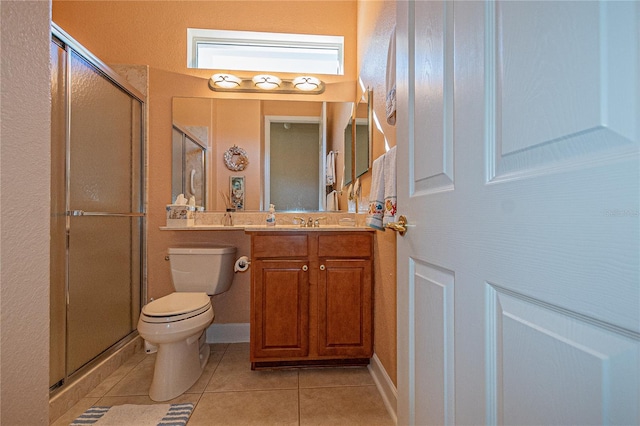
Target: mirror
363 133
292 176
189 165
348 153
243 123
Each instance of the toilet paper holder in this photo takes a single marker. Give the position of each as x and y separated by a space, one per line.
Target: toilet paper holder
242 264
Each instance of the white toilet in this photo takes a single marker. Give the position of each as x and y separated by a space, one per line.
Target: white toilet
176 323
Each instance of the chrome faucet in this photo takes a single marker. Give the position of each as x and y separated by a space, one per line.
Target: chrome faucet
310 223
316 223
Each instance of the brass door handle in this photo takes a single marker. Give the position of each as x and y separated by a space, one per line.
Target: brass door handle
400 225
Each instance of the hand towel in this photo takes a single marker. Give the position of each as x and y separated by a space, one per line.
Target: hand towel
391 80
331 168
376 196
390 196
332 201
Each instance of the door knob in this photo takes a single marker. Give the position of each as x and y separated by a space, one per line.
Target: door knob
322 267
400 225
305 268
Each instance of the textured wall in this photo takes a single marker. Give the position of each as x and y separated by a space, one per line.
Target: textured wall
376 20
155 32
24 218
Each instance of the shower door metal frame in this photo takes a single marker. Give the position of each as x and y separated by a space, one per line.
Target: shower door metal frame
187 135
69 44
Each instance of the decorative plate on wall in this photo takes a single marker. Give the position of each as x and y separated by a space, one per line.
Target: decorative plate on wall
236 159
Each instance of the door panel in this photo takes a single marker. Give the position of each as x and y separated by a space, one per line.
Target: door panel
538 226
101 270
281 308
432 357
344 308
557 103
104 196
555 353
101 178
433 160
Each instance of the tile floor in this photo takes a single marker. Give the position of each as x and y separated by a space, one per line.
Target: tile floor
229 393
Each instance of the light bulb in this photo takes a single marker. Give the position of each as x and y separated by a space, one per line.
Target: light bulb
266 82
226 81
306 83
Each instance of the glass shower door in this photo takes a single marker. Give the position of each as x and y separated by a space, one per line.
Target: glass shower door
58 261
189 166
104 209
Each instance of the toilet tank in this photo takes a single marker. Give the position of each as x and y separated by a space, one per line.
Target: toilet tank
208 269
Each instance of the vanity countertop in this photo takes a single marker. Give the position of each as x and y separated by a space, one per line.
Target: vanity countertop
298 228
264 228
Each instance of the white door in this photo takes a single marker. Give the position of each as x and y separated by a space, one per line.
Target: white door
518 279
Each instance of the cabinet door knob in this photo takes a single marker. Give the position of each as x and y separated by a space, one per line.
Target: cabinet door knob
322 268
305 268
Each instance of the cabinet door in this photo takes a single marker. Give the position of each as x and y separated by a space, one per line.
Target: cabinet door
280 309
345 308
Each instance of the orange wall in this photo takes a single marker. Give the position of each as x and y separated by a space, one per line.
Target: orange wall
376 20
238 123
154 33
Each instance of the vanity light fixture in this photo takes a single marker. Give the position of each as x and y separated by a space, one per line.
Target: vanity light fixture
226 81
306 83
266 81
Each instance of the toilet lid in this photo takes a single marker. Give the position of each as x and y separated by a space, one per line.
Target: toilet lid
176 304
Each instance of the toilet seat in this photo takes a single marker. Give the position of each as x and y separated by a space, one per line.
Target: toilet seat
176 307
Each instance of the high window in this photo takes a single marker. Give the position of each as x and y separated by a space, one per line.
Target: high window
259 51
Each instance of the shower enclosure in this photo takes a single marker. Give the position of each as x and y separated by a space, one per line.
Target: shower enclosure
189 168
97 208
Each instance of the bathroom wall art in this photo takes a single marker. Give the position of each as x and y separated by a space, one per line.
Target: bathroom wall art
237 190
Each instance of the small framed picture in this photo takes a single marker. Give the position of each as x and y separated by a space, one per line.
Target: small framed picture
236 190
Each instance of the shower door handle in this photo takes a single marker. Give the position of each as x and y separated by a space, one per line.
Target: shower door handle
83 213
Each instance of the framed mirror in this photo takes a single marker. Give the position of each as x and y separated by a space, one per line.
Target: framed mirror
241 122
363 133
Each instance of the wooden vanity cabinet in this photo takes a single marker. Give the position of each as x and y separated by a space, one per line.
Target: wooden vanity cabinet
280 311
311 298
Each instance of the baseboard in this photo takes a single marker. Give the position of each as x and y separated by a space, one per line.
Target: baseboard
228 333
385 386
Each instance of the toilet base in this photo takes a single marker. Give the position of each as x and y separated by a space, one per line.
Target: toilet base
178 366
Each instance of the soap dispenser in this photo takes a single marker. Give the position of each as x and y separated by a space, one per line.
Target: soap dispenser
271 216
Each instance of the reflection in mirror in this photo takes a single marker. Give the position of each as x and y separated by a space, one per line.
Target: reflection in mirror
363 134
292 175
241 122
188 169
348 151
